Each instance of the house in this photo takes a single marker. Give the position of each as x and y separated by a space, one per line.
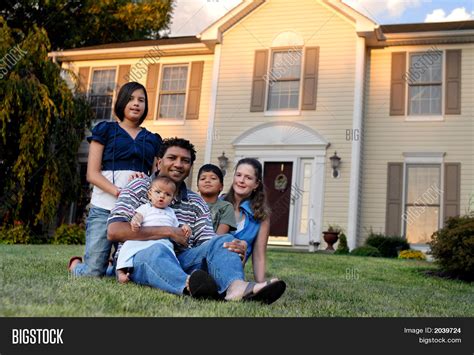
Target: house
365 126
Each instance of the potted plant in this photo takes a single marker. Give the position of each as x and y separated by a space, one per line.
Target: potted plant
331 235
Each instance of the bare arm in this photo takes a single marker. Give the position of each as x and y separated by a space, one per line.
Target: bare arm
222 229
260 250
94 167
122 231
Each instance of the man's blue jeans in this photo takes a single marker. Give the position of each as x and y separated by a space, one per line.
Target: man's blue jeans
98 247
158 266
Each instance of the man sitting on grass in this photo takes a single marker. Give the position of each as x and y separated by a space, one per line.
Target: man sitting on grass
205 265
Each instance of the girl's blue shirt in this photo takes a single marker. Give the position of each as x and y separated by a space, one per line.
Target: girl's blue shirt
122 152
251 227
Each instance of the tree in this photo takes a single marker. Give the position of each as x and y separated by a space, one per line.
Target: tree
74 23
41 127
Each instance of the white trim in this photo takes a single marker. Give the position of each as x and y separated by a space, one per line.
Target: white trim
213 103
356 144
421 118
424 157
283 113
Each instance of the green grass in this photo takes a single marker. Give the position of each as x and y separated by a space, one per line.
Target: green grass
34 282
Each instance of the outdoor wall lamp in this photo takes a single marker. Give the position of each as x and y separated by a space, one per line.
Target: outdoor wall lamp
223 163
335 162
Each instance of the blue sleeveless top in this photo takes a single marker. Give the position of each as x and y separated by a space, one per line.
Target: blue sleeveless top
251 227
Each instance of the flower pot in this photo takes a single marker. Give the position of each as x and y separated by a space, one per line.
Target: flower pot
330 238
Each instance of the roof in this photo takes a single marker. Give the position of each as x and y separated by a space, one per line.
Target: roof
143 43
428 27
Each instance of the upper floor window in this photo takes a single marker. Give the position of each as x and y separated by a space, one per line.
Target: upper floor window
284 80
172 97
101 93
425 84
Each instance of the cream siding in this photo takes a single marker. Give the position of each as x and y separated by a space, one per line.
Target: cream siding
388 137
336 38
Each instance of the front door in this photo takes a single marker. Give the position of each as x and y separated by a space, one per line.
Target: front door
278 181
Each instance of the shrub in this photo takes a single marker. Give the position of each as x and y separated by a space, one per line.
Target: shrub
412 254
19 233
366 250
69 234
342 247
388 246
453 247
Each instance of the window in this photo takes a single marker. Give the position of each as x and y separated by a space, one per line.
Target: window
284 81
101 93
173 92
422 207
425 84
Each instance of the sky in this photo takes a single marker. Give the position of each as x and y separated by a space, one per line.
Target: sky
192 16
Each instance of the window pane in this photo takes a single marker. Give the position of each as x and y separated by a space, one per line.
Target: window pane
172 105
101 93
174 78
286 65
425 67
425 100
422 222
423 185
283 95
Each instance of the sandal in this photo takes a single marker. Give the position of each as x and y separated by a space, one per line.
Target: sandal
72 260
271 292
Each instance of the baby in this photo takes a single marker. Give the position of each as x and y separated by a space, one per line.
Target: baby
156 213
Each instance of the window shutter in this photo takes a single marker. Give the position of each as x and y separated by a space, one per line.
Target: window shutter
123 76
452 189
83 78
453 82
257 101
152 89
310 78
397 84
394 199
194 93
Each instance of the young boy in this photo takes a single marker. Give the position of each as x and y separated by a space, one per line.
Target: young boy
155 213
210 184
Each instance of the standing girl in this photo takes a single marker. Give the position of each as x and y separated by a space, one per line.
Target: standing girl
117 150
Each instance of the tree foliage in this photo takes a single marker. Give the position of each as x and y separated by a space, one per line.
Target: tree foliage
74 23
41 127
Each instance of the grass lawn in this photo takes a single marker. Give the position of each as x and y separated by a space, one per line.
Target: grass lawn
34 282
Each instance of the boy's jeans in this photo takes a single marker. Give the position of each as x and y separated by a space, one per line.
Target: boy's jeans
96 258
159 267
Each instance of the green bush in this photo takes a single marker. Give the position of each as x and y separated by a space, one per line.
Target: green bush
388 246
69 234
19 233
366 250
453 247
342 247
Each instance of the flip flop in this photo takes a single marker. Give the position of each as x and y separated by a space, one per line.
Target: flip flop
202 286
268 294
71 261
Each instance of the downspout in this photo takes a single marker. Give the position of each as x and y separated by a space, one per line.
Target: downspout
213 103
352 222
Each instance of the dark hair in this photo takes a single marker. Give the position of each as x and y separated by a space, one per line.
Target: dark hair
177 142
123 99
213 169
166 180
257 198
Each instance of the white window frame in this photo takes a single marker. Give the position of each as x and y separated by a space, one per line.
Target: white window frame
294 112
114 92
171 121
422 158
426 118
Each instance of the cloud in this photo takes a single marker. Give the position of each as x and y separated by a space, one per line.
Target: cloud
458 14
192 16
390 8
